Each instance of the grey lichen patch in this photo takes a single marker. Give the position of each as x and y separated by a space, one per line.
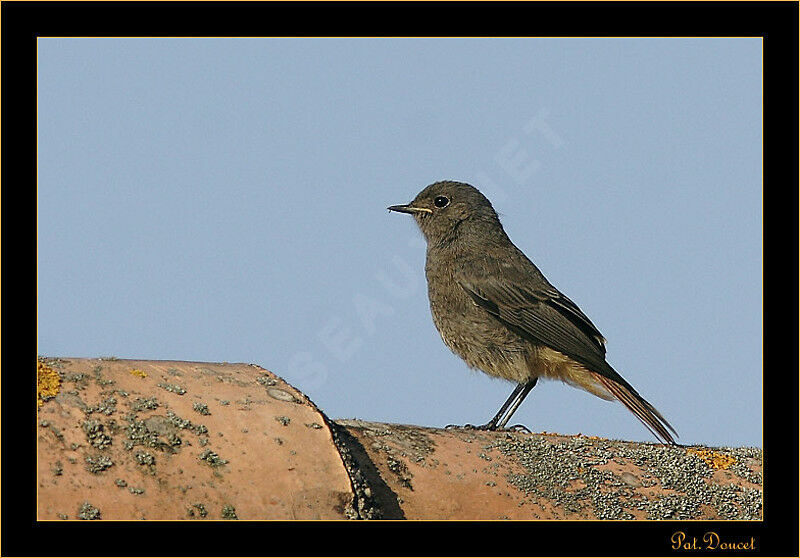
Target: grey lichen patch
551 472
88 512
673 506
95 433
398 439
107 406
156 431
136 491
400 469
228 512
121 483
743 457
145 458
186 424
143 404
201 408
98 463
571 474
266 381
283 420
690 477
313 425
212 458
58 469
177 421
172 388
201 510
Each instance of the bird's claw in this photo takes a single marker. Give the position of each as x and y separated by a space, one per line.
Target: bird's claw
519 428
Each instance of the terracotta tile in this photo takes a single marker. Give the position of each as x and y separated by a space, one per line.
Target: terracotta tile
126 439
184 440
473 475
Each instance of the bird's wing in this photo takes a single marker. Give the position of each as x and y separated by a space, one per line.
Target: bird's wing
545 316
574 314
542 315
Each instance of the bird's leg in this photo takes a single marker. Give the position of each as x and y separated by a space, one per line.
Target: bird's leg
514 400
492 424
523 393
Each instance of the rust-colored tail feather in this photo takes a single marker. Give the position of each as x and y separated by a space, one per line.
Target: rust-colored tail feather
643 410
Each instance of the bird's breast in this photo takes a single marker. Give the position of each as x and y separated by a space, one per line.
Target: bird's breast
469 331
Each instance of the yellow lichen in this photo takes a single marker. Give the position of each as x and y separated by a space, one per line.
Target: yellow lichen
713 459
140 373
47 383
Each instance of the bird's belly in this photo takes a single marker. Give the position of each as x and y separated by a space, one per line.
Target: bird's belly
482 342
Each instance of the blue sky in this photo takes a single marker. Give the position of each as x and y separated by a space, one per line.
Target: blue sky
225 200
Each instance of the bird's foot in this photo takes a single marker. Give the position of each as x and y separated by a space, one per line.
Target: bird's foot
519 428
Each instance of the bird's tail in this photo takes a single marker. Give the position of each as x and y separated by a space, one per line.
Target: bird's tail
639 406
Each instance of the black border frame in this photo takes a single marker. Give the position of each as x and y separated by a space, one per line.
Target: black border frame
23 22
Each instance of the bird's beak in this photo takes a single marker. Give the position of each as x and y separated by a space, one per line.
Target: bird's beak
408 208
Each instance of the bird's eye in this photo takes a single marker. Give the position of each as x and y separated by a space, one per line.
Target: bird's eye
441 201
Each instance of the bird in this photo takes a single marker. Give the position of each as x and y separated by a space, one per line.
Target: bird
496 310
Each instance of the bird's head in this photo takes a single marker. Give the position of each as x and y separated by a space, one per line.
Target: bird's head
443 208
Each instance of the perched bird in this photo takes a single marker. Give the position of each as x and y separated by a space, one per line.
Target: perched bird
495 309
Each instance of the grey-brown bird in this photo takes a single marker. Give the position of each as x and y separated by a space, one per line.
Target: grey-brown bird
495 309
